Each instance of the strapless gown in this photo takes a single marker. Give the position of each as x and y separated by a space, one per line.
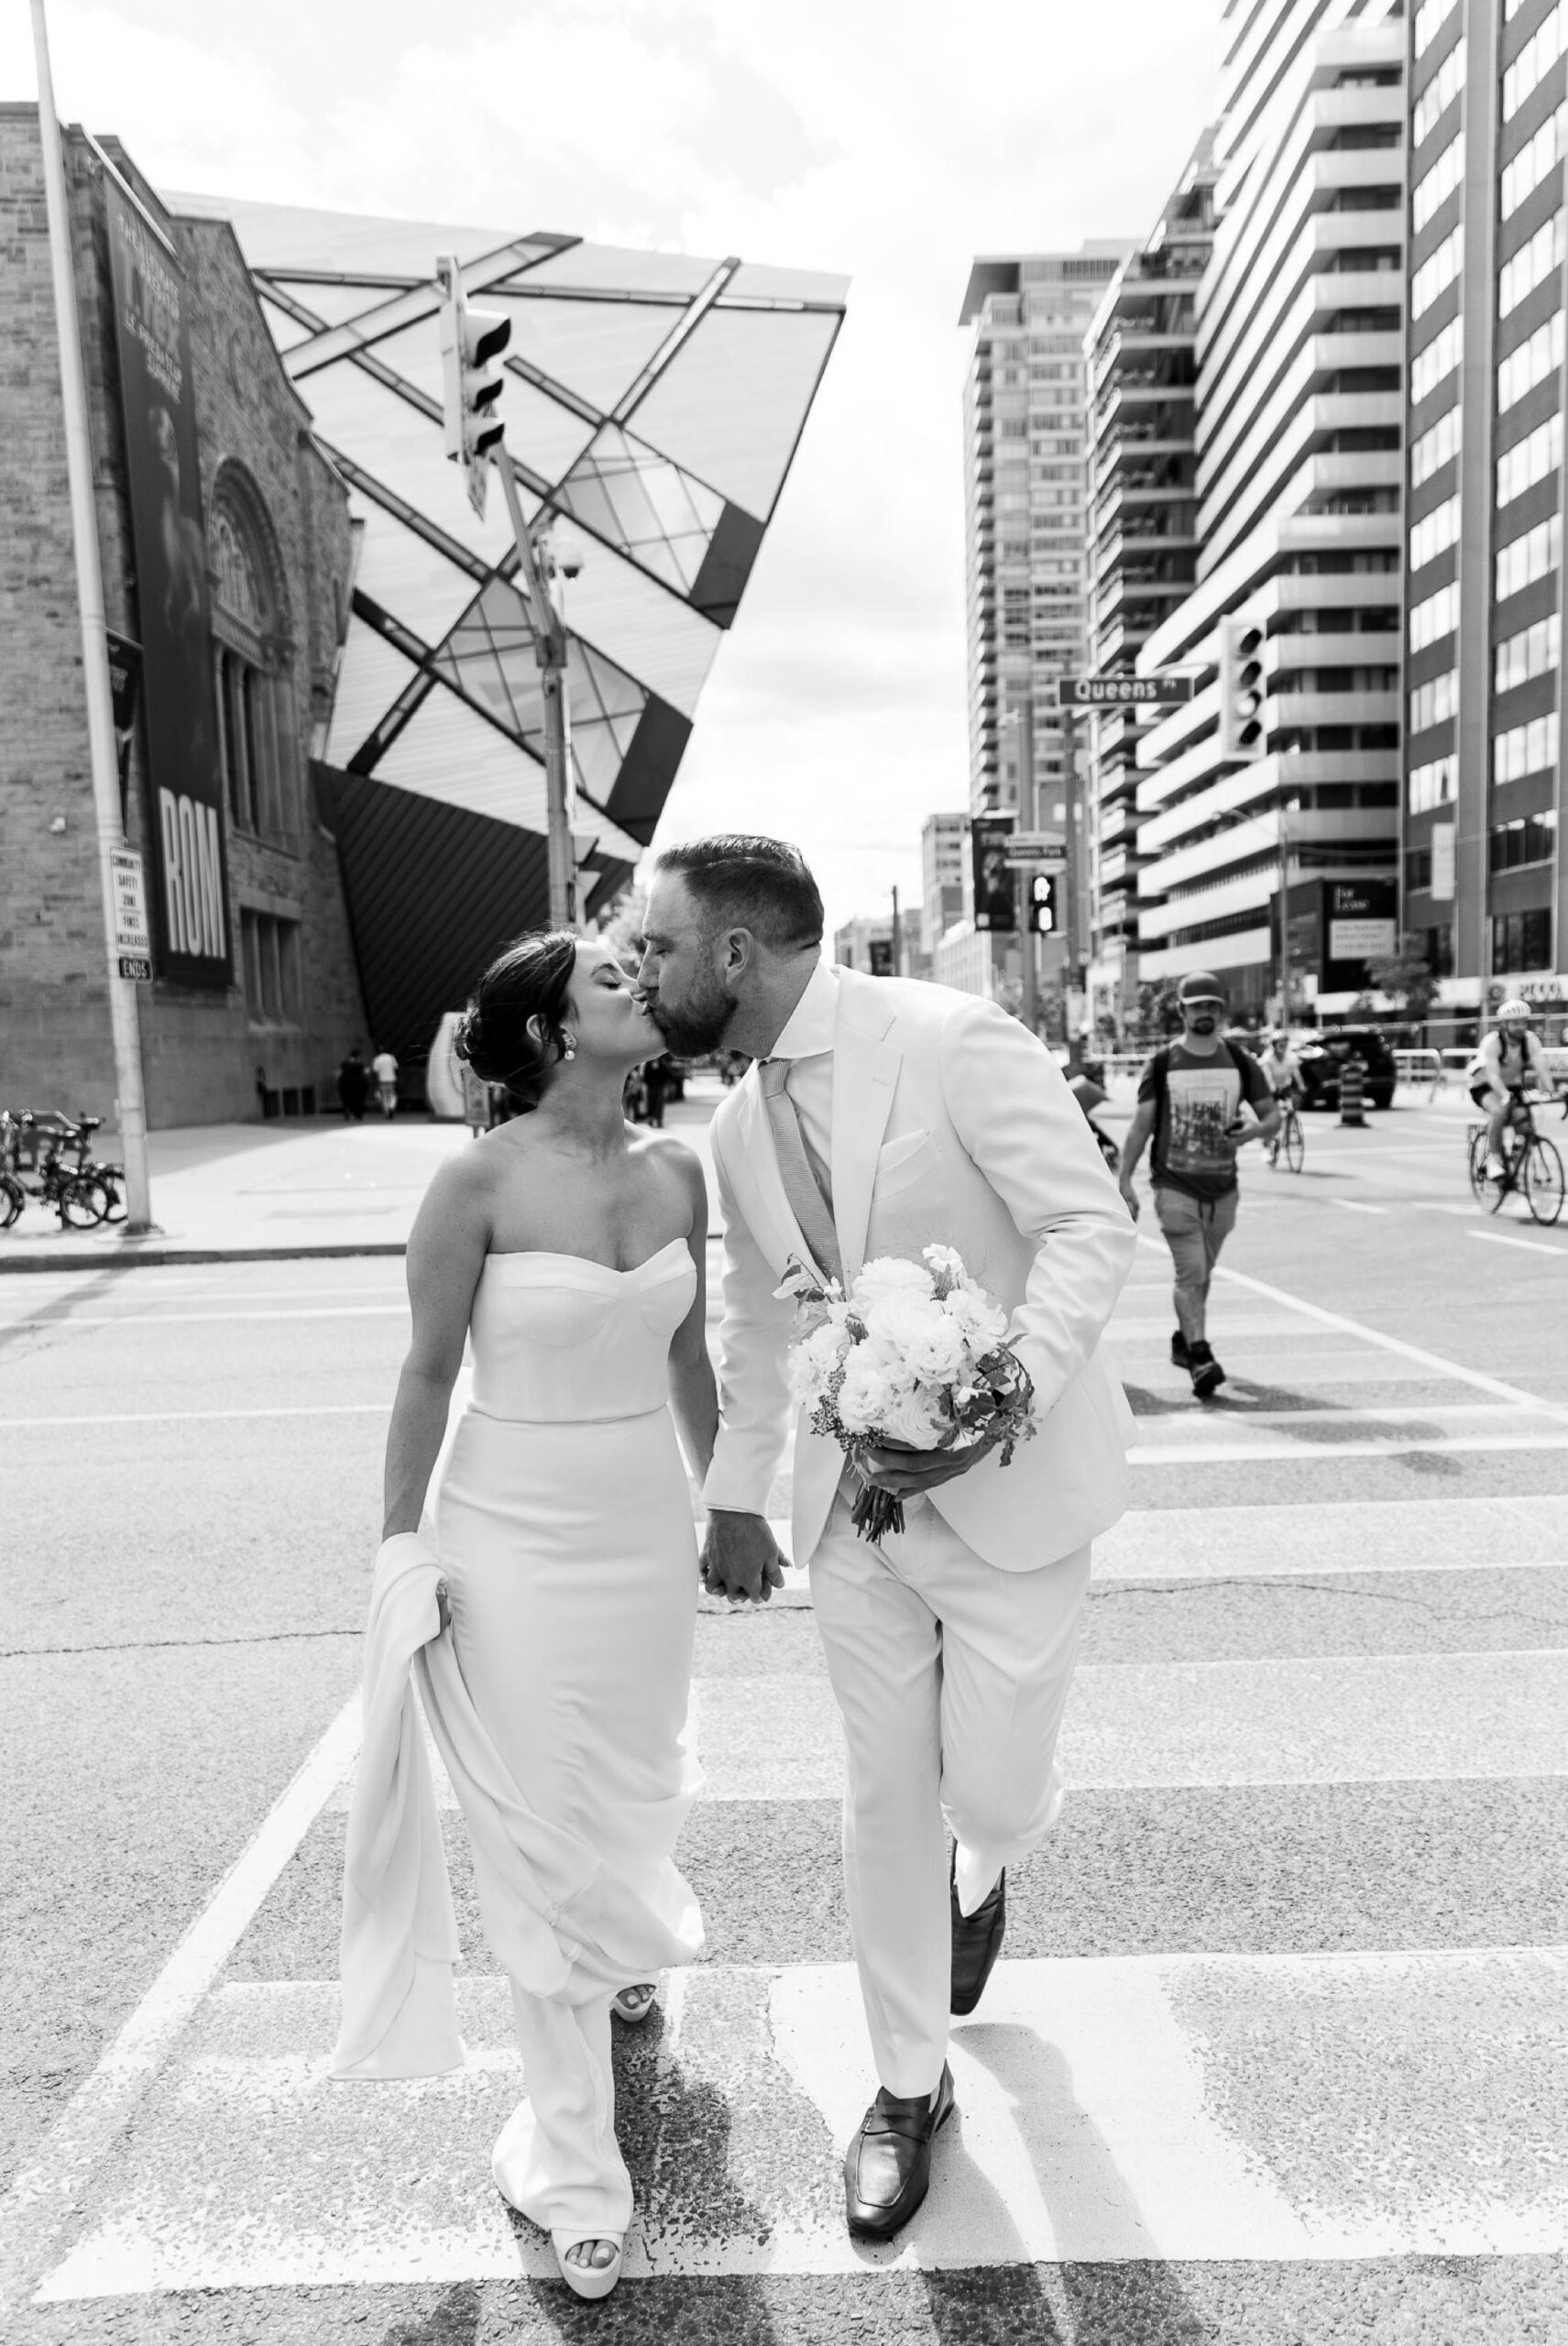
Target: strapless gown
564 1524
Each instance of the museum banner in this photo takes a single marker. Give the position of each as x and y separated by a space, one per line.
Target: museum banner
179 712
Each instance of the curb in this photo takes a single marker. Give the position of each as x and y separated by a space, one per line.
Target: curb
153 1257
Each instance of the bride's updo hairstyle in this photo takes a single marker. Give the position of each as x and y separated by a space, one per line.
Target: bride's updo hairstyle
513 1031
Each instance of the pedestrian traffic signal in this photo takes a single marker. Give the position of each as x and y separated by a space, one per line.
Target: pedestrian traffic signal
472 342
1242 699
881 957
1043 903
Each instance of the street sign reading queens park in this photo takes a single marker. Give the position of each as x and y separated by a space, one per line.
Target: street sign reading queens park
1123 692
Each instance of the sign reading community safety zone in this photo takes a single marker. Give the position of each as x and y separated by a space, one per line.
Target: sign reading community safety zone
152 334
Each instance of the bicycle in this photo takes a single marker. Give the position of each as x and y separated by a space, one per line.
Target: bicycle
79 1193
1290 1138
1532 1168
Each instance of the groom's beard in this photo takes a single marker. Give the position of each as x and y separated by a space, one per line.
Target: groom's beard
701 1022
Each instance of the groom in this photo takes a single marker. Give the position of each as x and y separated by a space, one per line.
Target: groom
882 1116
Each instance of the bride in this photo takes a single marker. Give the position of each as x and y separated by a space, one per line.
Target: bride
572 1246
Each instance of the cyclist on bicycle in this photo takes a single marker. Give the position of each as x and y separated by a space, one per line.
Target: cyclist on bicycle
1281 1065
1511 1061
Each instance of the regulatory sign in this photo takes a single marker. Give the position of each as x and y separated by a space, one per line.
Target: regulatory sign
137 968
1123 692
132 934
1038 859
1037 842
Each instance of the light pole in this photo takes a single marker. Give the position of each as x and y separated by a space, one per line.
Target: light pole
102 748
550 651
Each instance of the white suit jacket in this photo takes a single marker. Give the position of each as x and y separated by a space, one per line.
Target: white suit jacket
950 1125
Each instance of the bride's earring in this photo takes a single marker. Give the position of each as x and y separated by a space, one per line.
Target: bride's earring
571 1050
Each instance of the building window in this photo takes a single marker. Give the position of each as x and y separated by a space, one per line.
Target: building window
1525 749
1522 941
1534 262
1433 784
1431 18
1437 950
1530 839
272 951
1418 867
1531 363
1440 92
1534 556
1437 272
1534 652
1436 617
1435 448
1431 704
1535 161
256 747
1434 187
1439 357
1534 61
1433 533
1530 459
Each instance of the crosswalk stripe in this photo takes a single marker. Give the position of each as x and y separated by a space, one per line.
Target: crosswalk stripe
1263 1542
1178 2106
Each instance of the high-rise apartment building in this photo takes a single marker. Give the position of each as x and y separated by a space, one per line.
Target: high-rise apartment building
944 844
1300 409
1482 777
1023 511
1141 536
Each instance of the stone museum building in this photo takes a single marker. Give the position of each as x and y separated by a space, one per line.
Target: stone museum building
328 700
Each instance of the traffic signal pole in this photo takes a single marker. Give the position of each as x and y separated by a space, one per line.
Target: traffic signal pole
104 756
550 651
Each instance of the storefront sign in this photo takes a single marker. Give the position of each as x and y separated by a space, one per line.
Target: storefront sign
1360 941
152 334
1360 925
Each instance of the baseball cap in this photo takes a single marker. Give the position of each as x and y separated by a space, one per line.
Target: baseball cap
1200 985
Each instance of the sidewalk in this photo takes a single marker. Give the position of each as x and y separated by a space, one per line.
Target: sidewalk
230 1193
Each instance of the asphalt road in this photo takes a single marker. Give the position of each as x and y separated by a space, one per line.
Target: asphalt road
1277 2053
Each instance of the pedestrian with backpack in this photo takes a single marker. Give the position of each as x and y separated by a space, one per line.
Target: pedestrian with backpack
1201 1099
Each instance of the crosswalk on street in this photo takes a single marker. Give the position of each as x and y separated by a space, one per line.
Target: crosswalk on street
1274 2050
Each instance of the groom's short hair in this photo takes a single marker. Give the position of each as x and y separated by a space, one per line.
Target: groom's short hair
741 880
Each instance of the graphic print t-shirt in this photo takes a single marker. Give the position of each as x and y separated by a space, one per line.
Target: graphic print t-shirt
1196 1102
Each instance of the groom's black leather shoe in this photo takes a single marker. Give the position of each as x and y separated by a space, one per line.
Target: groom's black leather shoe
977 1942
887 2167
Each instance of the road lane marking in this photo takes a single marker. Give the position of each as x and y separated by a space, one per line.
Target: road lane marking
1351 1205
1346 1718
1264 1450
43 2194
1253 2109
200 1417
1330 1537
1530 1245
193 1319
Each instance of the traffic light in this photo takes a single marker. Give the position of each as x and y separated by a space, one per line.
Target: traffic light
1043 903
1241 715
881 957
472 342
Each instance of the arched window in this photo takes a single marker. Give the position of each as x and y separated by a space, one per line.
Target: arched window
252 661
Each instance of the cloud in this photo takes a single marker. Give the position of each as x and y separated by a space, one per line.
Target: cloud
866 138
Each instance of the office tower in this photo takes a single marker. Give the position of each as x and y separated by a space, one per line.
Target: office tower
1298 416
1143 537
943 845
1483 870
1024 513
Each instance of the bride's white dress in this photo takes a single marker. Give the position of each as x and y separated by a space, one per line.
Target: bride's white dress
566 1535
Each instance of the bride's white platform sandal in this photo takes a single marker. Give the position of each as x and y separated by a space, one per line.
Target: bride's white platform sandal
633 2013
587 2280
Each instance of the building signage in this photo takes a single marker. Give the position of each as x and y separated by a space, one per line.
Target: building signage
995 893
125 688
1442 862
1543 993
1122 692
189 860
131 932
1360 922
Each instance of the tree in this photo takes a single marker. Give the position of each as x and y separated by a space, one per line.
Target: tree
1405 976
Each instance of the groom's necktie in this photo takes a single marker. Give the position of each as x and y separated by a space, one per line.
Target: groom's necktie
806 1202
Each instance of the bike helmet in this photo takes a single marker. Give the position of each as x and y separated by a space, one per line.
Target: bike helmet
1513 1008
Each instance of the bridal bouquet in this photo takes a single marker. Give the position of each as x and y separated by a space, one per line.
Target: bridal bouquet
915 1358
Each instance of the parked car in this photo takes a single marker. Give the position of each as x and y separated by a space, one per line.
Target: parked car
1323 1057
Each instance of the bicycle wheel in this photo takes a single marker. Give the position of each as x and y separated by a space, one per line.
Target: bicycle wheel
1295 1142
83 1202
112 1179
1478 1181
1543 1180
12 1198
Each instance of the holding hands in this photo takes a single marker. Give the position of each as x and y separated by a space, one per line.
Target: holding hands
740 1558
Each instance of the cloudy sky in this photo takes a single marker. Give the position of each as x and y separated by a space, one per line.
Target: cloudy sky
875 138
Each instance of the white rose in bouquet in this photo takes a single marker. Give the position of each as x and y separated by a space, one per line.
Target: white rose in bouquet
914 1357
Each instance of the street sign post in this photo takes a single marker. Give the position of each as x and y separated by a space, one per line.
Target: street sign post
132 934
1123 692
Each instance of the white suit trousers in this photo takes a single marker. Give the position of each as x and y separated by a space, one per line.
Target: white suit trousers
952 1678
